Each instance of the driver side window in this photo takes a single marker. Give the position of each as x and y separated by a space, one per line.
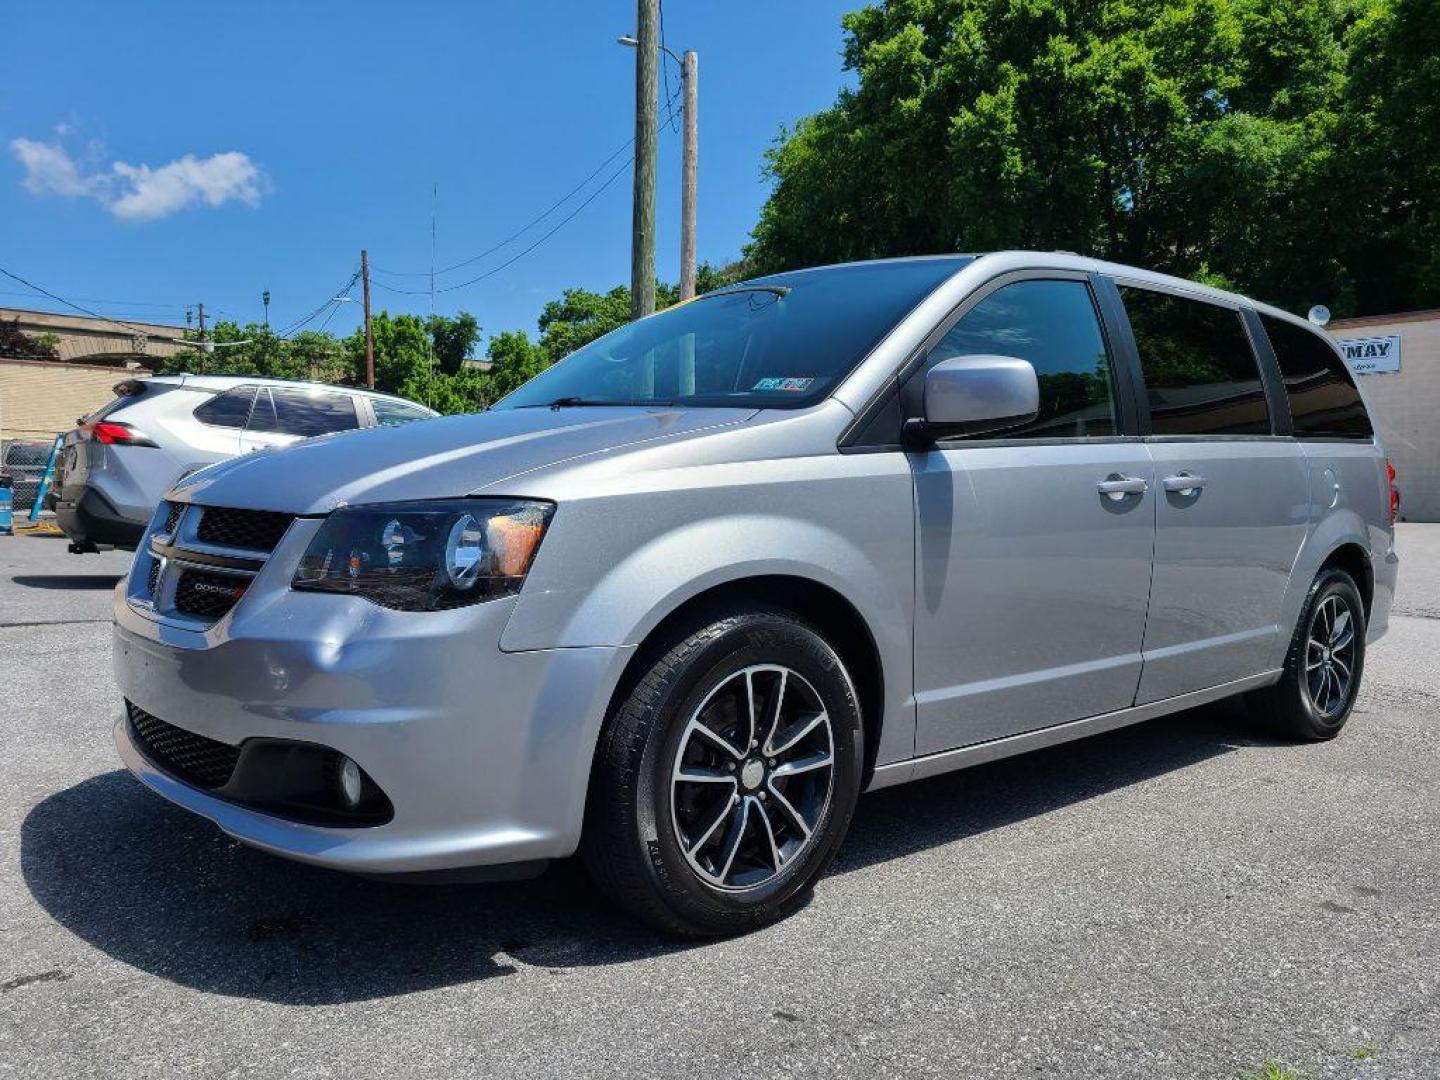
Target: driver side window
1052 324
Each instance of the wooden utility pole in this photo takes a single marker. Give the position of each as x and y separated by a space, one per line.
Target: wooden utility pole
688 169
369 334
642 240
201 308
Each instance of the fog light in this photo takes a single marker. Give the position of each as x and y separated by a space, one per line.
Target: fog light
350 785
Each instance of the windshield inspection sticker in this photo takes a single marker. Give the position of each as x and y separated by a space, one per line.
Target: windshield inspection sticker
791 383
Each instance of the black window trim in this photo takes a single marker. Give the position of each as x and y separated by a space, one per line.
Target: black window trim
898 386
1281 422
1276 405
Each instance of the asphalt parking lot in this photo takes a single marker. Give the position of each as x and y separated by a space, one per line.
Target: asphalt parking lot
1182 899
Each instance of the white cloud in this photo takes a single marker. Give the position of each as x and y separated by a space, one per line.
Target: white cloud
153 193
49 170
138 192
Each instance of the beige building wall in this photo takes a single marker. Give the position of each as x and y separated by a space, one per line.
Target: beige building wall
1406 404
39 399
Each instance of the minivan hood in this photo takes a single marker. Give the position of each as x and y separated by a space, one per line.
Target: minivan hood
433 459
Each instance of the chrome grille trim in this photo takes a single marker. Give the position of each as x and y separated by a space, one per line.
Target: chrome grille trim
178 557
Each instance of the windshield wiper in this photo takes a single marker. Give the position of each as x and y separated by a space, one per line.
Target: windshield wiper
580 402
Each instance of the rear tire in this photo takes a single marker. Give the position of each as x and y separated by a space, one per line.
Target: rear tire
702 821
1325 662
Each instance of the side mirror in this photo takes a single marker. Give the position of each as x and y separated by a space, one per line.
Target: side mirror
970 395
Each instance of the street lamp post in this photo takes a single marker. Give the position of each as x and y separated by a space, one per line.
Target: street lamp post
689 167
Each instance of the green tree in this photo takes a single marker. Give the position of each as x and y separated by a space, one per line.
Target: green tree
579 317
1224 139
1385 177
254 349
515 360
454 340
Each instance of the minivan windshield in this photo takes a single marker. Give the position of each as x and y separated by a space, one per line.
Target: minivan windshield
781 341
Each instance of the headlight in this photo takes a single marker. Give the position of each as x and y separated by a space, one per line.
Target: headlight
426 556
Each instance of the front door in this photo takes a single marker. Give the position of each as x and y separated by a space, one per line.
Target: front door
1232 504
1033 548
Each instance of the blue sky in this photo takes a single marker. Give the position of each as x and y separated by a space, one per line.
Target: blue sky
161 154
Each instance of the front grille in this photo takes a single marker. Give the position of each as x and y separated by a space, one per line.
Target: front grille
206 595
193 758
173 514
152 584
252 530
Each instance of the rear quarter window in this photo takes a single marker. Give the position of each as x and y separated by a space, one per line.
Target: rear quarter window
1324 401
388 413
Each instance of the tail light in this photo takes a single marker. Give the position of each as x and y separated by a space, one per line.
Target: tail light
113 433
1393 490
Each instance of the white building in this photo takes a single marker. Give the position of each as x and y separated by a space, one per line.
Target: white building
1397 360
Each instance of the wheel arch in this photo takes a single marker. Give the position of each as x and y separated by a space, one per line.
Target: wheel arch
1355 561
828 612
1341 539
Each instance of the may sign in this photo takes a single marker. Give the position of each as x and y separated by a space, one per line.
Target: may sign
1372 355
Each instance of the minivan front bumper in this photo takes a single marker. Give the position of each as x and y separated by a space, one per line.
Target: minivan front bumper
485 755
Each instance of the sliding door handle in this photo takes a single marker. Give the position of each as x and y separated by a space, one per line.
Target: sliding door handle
1184 483
1116 487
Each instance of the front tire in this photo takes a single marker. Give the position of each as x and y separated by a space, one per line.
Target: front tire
1316 693
725 780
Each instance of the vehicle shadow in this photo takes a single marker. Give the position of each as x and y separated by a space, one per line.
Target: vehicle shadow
164 891
67 582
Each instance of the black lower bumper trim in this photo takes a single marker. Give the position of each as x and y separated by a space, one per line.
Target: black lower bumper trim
92 520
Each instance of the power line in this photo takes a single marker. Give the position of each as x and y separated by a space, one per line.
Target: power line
665 72
433 272
517 233
99 300
331 302
337 304
71 304
519 255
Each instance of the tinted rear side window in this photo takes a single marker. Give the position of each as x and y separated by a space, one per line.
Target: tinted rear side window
1201 377
228 409
1324 402
1053 325
305 414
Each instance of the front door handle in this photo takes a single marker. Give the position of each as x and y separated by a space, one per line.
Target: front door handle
1116 487
1184 483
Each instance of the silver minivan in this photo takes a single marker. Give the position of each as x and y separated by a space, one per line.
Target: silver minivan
675 603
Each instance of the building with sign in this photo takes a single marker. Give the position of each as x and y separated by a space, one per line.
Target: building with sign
1397 361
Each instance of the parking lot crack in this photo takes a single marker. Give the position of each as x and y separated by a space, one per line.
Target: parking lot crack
53 975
